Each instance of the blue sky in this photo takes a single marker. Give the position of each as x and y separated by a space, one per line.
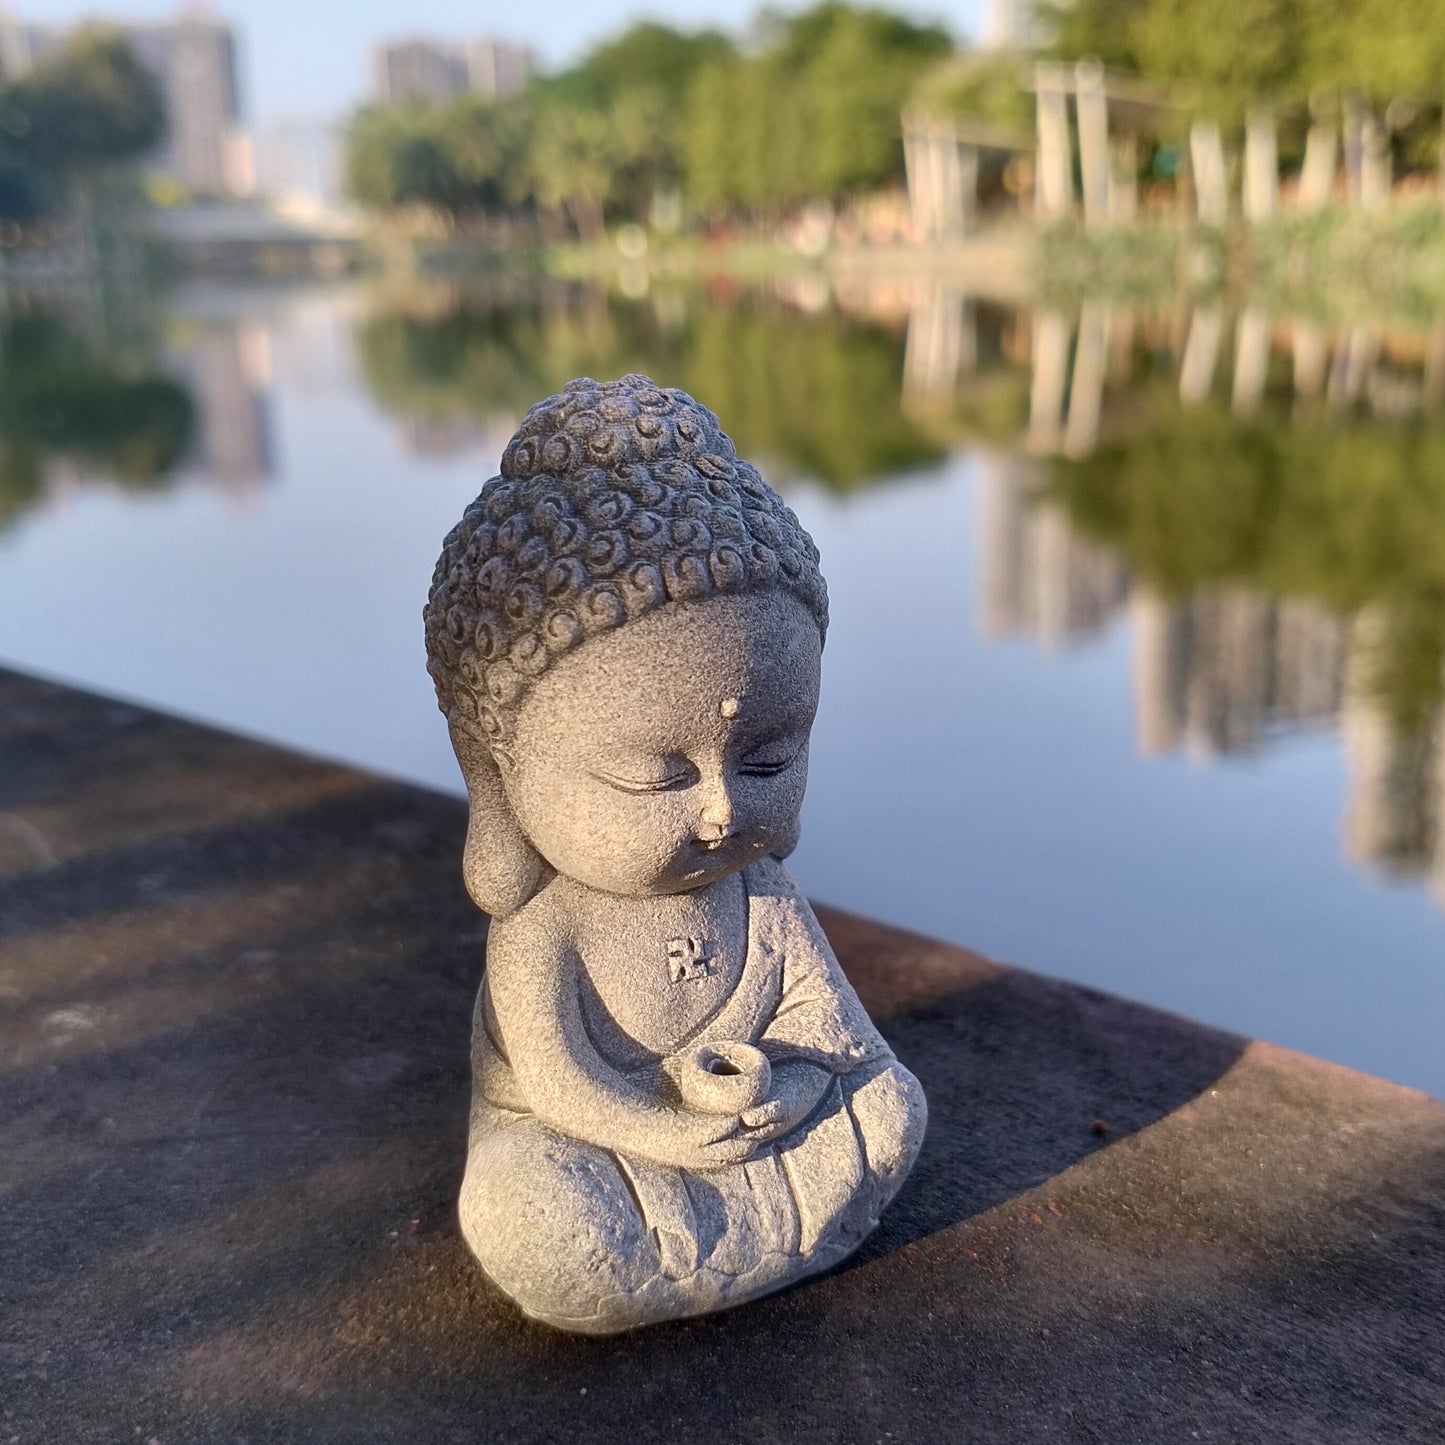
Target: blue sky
308 58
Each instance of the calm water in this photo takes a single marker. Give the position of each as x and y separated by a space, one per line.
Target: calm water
1135 674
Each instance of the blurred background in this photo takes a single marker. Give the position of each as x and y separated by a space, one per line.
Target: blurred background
1100 345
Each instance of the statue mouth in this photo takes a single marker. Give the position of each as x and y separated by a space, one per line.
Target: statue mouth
711 845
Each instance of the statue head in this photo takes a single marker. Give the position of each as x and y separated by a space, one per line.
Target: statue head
625 630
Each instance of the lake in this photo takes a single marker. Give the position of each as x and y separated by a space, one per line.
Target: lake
1135 671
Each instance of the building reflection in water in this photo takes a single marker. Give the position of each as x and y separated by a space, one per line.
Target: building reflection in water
1221 669
1395 812
226 364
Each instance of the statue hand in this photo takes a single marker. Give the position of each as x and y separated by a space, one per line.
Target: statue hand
797 1089
690 1140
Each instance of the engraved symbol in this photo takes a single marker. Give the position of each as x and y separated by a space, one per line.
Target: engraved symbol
687 960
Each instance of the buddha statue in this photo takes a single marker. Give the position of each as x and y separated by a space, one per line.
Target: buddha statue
679 1102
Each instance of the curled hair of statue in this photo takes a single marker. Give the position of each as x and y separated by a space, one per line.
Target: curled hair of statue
614 498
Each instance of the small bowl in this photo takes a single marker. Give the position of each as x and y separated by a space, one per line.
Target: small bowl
724 1078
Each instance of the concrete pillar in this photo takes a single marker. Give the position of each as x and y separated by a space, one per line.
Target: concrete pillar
1317 176
1124 179
1054 169
1432 391
1201 354
933 353
915 175
1086 395
1251 359
1093 112
1376 166
1261 167
1206 155
1353 146
1049 381
1311 359
966 158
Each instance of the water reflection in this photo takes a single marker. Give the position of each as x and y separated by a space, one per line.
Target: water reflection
1069 549
1274 528
810 394
72 406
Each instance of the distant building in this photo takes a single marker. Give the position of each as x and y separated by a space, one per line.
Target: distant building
299 167
1012 25
194 59
23 44
496 69
431 71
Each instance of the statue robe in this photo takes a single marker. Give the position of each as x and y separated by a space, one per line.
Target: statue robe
597 1240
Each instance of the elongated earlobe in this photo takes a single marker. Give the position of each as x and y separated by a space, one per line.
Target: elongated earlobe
499 866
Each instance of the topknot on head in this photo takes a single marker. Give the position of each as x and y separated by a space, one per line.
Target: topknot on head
615 498
614 424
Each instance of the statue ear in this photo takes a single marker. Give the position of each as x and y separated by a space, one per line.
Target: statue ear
499 866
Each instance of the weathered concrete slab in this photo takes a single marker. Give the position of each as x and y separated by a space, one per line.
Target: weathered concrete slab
235 987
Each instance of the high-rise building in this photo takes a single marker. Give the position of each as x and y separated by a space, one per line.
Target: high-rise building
496 69
194 60
430 71
1012 25
299 166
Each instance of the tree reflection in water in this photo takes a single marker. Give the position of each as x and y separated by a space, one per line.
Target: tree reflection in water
62 398
808 395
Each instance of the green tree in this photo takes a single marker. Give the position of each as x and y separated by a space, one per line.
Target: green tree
89 107
400 156
815 115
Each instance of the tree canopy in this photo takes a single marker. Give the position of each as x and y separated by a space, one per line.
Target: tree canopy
812 114
89 106
1263 51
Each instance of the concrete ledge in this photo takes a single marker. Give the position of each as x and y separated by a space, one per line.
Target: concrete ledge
235 987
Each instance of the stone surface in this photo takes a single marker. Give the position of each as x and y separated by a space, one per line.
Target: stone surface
234 1084
625 630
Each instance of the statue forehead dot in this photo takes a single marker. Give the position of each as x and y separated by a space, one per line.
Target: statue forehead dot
729 707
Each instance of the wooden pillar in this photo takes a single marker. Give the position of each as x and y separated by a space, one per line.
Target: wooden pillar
1206 155
1054 170
1261 167
1093 113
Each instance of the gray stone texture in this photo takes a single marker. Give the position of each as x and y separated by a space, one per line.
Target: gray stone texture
625 630
234 994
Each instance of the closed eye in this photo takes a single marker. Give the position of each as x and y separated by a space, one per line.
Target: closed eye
766 767
668 782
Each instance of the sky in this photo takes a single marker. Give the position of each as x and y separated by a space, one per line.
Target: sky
308 59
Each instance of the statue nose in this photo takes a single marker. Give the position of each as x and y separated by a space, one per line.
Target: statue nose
716 818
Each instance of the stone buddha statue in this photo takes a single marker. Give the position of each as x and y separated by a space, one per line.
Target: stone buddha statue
679 1102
